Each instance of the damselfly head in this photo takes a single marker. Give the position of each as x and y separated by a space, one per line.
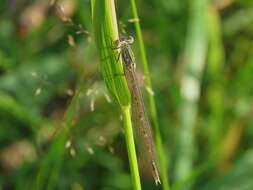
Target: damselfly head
124 41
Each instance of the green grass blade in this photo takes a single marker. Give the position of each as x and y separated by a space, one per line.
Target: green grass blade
131 148
215 90
106 32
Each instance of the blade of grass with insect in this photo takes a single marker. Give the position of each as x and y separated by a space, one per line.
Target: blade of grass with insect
142 122
152 105
106 32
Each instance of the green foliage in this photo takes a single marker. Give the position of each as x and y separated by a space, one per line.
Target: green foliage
57 129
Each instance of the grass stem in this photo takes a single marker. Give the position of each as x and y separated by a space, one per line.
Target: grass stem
106 32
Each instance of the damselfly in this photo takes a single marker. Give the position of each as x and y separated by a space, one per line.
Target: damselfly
143 125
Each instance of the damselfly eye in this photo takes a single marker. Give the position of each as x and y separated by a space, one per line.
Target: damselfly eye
130 39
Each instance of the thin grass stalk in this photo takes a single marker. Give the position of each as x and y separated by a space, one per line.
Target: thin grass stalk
131 148
46 174
106 32
51 163
194 62
215 91
151 100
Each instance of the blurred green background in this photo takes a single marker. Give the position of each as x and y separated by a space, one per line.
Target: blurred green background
201 64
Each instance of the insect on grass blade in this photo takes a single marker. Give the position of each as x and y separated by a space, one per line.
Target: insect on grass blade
143 125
